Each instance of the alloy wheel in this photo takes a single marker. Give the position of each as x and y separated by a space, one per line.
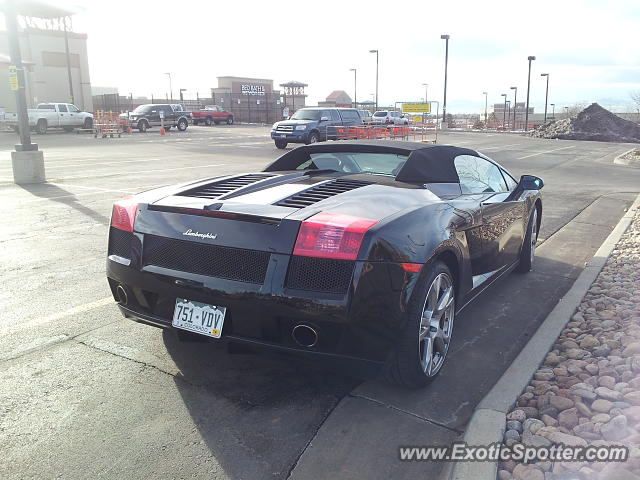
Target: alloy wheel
436 324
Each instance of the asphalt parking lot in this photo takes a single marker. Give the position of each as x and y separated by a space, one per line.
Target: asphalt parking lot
85 393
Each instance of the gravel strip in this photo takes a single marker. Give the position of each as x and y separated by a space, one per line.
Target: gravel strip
587 391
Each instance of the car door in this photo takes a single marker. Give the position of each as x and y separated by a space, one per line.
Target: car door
502 228
170 115
153 116
75 119
63 115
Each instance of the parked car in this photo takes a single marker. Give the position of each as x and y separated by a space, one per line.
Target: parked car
386 117
211 114
313 124
349 249
53 115
366 116
147 116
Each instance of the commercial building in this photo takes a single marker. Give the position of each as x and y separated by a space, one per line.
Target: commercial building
337 98
47 67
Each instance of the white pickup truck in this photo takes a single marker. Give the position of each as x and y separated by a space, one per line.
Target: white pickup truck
53 115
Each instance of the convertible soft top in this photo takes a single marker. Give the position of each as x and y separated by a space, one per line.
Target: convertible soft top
427 163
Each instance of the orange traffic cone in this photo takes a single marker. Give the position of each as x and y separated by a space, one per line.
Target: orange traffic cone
162 131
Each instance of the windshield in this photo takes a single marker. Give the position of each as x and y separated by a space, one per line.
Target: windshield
306 115
142 109
380 114
355 162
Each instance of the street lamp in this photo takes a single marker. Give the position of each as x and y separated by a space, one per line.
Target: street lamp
515 105
566 111
526 113
377 53
446 62
181 96
546 96
426 92
486 106
508 114
553 110
504 111
170 87
355 86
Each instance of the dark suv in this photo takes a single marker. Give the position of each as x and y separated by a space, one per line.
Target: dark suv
146 116
313 124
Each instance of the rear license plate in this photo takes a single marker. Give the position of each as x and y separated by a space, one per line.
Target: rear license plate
199 317
283 135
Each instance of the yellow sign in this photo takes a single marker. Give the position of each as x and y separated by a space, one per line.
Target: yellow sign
416 108
13 78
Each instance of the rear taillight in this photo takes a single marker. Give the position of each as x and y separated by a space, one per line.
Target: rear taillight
123 215
332 235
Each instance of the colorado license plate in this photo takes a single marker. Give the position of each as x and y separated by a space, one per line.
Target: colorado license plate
199 317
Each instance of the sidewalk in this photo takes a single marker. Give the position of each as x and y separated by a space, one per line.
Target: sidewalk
587 391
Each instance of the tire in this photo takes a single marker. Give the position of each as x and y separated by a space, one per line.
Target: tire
229 120
207 121
313 138
88 123
67 129
411 364
167 128
143 126
281 144
41 126
528 250
182 124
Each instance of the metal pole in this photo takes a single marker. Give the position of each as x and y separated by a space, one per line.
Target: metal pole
553 114
66 48
446 63
11 20
377 63
504 111
546 96
526 113
170 86
515 105
486 107
355 87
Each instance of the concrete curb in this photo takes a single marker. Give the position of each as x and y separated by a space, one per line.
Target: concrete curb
487 424
623 161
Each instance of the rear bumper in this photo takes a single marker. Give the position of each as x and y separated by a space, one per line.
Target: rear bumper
363 323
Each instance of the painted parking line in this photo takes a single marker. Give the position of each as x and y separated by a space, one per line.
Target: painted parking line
500 146
542 153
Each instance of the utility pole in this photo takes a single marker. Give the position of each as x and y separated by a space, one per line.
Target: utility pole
446 63
526 113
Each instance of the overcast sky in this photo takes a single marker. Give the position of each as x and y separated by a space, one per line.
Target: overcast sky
591 49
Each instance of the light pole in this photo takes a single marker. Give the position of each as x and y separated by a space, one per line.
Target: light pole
515 105
446 62
504 112
526 113
181 96
170 86
355 87
486 106
508 114
377 53
566 111
546 96
426 92
553 110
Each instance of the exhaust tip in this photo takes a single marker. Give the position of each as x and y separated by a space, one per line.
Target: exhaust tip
304 335
121 293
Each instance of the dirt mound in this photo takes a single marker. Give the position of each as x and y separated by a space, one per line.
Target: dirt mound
592 123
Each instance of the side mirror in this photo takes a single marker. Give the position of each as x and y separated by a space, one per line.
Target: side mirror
530 182
324 119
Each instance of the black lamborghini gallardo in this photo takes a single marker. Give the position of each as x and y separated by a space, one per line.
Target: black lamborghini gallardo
354 249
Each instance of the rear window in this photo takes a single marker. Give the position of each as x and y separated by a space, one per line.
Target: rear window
380 114
46 107
355 162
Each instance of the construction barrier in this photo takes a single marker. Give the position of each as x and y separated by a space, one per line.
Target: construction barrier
107 124
414 132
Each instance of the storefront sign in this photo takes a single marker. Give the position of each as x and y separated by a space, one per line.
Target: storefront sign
252 89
